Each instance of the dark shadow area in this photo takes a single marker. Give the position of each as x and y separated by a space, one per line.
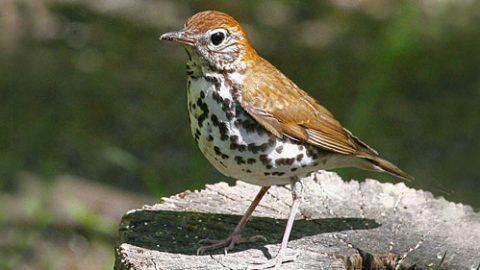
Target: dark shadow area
179 232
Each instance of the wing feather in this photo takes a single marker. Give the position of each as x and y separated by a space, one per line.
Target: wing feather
284 109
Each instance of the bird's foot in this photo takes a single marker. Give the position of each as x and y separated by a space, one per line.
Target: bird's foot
226 244
273 263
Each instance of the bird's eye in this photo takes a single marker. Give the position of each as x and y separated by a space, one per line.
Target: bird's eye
217 38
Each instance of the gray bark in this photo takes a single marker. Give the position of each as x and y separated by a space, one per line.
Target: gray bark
341 225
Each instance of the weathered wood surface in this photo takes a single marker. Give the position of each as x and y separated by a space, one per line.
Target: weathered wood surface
341 225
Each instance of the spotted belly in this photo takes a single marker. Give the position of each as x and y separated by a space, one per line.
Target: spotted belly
239 147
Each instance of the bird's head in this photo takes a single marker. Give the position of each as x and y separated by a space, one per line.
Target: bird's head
215 37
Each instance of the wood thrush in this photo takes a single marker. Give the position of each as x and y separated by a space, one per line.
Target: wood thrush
254 124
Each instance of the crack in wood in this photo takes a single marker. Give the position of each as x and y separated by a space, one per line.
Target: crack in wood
324 202
362 201
404 255
221 194
220 262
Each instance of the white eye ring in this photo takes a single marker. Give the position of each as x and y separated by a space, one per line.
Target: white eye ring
218 36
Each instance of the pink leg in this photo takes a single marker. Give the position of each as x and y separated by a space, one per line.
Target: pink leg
297 195
235 237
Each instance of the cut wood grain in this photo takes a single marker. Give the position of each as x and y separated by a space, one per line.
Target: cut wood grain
341 225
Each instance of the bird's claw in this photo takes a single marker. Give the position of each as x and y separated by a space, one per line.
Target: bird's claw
273 263
227 244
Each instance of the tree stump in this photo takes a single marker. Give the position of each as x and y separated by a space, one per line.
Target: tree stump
341 225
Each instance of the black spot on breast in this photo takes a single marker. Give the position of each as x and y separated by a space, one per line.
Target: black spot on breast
251 161
252 147
215 121
299 157
204 108
213 80
199 102
216 96
237 123
272 141
227 108
202 94
236 90
210 138
312 152
229 115
239 160
250 126
226 103
293 169
234 146
237 146
265 160
242 147
279 149
219 153
239 111
246 122
204 115
284 161
197 135
290 161
200 119
260 131
222 127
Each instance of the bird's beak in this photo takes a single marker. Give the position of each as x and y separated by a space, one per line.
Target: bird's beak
181 36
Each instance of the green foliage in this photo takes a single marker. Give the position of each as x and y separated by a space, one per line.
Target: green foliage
90 221
105 99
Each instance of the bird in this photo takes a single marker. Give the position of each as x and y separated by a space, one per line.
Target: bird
254 124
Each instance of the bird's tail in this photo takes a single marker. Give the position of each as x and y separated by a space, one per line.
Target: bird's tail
387 166
376 163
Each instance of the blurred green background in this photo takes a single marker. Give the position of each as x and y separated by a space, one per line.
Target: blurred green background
87 91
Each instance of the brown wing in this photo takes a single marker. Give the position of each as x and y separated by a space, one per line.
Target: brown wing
284 109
